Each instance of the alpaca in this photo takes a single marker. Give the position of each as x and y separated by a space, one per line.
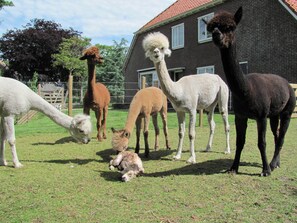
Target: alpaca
128 163
17 98
189 94
255 96
146 102
97 96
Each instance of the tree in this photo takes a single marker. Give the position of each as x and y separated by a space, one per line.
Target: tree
29 50
4 3
111 72
68 57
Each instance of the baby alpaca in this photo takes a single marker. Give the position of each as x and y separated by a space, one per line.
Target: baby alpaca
129 164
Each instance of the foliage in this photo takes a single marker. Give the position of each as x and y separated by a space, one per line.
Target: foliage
111 71
69 52
33 82
4 3
29 50
67 182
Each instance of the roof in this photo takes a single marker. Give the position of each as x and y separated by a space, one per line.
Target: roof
292 4
178 9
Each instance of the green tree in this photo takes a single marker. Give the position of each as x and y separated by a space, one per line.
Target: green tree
68 57
29 50
111 71
4 3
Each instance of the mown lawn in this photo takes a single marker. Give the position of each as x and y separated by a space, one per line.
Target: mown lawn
62 181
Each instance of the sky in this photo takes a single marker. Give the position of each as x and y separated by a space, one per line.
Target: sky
104 21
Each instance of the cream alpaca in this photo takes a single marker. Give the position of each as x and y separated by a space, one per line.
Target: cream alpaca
189 94
128 163
17 98
147 102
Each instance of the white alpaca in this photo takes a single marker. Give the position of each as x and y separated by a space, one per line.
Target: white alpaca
189 94
17 98
128 163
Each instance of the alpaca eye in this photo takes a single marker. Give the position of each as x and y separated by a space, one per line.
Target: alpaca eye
162 48
81 131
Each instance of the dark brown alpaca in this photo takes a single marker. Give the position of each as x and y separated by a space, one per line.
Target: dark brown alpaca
97 96
256 96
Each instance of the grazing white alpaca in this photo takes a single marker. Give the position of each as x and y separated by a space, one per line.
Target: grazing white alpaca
189 94
17 98
128 163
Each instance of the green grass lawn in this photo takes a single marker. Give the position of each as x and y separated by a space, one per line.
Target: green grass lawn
62 181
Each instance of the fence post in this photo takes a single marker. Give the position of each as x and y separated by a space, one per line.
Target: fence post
70 87
143 82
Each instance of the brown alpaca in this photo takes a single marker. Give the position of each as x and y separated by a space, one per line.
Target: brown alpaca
97 96
255 96
147 102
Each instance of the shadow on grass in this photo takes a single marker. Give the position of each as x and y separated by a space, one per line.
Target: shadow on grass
209 167
65 161
59 141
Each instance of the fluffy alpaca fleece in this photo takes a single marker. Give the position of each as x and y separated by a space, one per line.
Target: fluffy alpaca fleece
15 99
128 163
189 94
97 96
147 102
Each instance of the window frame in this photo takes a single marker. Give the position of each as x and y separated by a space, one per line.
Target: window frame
205 67
207 39
181 35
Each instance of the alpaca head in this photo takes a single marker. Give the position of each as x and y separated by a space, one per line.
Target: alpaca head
222 27
156 46
81 128
120 139
93 56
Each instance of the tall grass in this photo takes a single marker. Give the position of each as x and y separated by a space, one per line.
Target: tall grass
67 182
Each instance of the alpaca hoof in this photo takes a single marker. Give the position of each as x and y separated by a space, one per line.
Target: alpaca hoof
232 171
176 157
265 174
191 160
111 167
227 152
3 163
168 148
18 165
274 166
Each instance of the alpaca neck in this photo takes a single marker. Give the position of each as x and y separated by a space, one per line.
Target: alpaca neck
91 78
133 114
166 83
235 78
41 105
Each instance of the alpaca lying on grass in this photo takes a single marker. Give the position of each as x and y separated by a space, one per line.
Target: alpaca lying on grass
15 99
128 163
147 102
189 94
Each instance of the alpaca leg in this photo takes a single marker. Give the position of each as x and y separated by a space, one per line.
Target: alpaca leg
163 114
227 131
192 134
181 134
145 135
103 123
261 126
99 117
2 146
241 126
157 130
274 122
212 126
138 128
10 136
284 124
86 110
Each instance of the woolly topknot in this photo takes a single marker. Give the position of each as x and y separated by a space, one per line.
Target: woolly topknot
155 40
93 50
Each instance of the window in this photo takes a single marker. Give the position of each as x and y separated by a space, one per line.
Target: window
151 79
203 34
207 69
244 67
177 35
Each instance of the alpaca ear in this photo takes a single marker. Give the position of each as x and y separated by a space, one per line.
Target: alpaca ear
147 54
126 134
167 52
83 57
238 15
